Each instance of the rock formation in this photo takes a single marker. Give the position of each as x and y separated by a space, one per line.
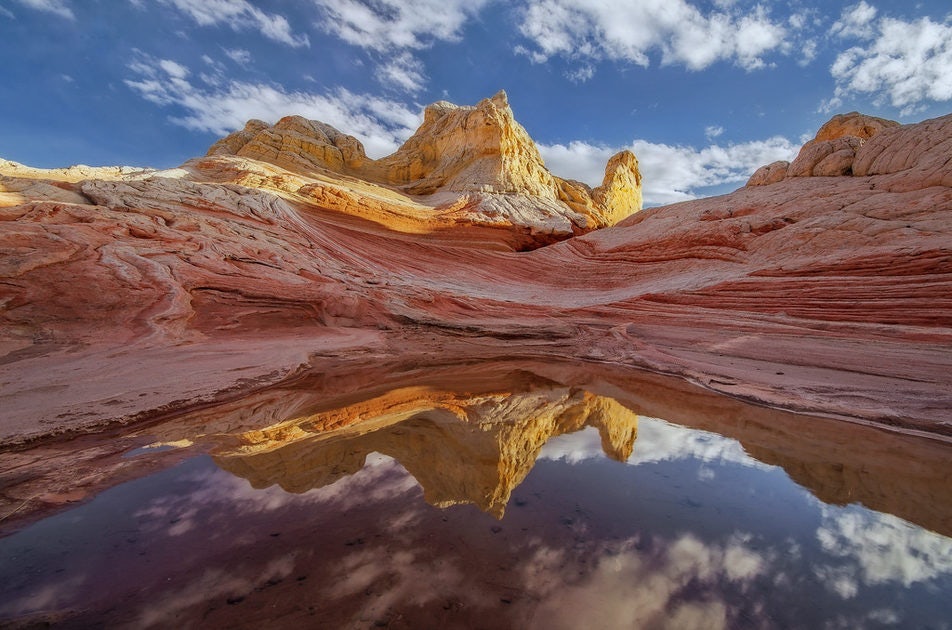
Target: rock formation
824 294
830 154
473 159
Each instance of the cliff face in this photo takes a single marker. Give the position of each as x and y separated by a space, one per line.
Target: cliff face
821 293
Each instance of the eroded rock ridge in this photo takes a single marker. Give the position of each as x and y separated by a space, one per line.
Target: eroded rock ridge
479 157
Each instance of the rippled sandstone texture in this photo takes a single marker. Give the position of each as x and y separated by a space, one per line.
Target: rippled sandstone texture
129 294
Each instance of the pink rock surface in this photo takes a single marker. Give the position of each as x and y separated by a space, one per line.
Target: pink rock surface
146 294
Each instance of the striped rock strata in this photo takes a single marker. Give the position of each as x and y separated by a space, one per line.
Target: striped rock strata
135 295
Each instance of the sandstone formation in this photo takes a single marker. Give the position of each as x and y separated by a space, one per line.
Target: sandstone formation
830 154
464 164
828 295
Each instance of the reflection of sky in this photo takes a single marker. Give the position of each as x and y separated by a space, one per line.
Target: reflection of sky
587 542
657 441
213 487
878 549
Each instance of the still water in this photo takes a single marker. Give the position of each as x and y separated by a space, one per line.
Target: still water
552 509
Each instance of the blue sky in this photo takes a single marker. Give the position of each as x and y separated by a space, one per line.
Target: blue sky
702 91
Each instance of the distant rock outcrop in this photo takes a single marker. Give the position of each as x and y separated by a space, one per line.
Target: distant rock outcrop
830 154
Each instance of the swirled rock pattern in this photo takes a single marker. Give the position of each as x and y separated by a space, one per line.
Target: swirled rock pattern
130 295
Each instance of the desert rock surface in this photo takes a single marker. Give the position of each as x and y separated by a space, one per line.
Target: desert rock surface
127 295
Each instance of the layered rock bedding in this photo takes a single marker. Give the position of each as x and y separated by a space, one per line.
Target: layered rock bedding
823 286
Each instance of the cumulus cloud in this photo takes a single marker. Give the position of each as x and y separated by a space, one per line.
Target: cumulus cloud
393 28
856 21
904 63
56 7
239 15
628 31
219 105
671 173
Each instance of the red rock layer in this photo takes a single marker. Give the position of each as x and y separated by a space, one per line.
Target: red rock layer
131 298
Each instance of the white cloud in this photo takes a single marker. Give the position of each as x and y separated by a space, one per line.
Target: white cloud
904 63
671 173
713 131
392 25
173 69
402 71
856 21
580 74
808 51
392 29
621 30
239 15
56 7
221 106
238 55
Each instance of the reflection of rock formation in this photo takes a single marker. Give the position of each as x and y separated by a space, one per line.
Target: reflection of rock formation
462 449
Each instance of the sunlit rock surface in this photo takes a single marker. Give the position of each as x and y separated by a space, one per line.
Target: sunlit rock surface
465 166
130 295
831 153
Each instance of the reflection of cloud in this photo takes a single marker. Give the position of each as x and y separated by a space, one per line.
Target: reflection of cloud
658 441
213 583
43 597
574 447
402 572
673 586
879 548
380 479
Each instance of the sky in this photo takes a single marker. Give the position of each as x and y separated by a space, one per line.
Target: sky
703 91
